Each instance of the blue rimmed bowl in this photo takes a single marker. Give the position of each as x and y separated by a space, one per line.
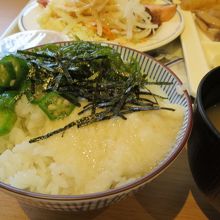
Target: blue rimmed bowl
87 202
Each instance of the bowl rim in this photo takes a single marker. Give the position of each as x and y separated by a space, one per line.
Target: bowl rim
127 186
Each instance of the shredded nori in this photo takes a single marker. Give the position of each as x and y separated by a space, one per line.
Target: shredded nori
92 72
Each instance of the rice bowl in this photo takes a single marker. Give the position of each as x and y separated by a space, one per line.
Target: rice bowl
113 183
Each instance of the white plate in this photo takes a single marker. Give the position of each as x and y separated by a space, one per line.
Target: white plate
28 39
167 32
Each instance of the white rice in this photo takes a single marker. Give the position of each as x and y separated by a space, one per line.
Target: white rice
90 159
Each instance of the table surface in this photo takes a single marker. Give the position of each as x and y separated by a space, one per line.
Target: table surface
173 195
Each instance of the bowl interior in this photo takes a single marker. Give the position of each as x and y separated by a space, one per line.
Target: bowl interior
174 92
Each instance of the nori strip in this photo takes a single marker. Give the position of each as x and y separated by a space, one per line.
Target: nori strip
96 73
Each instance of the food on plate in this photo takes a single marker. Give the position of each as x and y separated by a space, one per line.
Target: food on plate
161 13
209 23
207 16
118 20
43 2
85 120
198 4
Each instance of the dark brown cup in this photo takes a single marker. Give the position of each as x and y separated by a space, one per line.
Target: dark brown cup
204 142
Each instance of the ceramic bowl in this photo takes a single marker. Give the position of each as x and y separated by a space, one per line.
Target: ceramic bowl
157 72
